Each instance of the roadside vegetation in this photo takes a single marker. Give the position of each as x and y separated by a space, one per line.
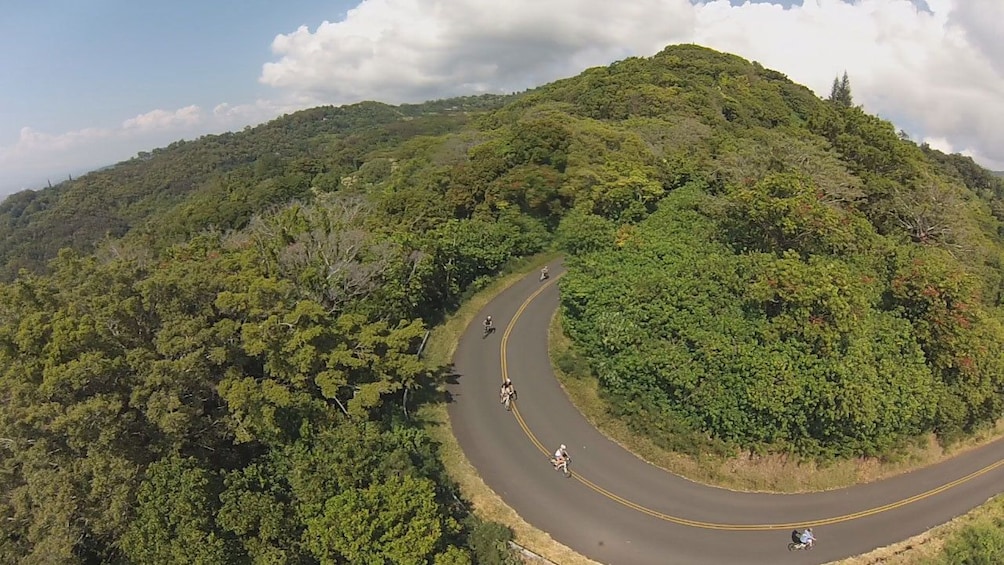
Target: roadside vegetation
976 538
758 472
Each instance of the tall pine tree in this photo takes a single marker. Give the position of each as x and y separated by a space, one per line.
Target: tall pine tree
840 92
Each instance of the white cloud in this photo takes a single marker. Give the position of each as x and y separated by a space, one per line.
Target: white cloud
939 143
981 20
163 119
31 141
412 50
937 73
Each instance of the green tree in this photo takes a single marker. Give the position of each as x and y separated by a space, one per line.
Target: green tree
453 556
174 523
395 521
785 212
258 510
840 92
581 232
489 542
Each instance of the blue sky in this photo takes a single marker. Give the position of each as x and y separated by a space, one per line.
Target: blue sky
90 83
72 64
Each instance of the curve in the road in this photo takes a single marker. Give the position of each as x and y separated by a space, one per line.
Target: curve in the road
714 525
656 517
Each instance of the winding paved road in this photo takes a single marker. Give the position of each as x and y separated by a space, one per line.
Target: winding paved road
617 509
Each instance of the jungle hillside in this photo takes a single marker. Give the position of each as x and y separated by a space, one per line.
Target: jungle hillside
210 352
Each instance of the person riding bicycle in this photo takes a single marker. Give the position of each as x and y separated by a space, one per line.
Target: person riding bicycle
807 538
560 456
507 391
544 273
488 324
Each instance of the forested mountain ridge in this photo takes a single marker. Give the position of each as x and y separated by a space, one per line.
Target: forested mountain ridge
255 315
221 180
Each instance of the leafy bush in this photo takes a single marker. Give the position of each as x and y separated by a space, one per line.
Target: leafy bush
573 364
977 544
489 543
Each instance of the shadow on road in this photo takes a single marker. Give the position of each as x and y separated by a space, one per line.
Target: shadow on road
433 388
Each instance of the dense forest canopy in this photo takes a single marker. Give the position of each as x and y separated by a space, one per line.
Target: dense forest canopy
208 352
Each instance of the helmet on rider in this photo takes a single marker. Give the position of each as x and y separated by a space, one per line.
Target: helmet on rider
508 382
562 447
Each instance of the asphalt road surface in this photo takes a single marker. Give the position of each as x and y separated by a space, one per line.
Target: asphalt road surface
618 509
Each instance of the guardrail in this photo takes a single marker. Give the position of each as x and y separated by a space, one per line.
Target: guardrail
421 348
526 553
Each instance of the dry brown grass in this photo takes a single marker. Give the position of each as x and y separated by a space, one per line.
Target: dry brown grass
486 504
914 551
926 547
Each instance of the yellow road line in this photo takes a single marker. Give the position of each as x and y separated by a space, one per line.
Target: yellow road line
505 366
697 523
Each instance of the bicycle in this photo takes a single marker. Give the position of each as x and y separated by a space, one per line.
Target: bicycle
507 400
488 330
792 546
563 465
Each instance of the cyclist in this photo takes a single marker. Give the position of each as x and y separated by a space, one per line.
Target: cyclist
543 273
807 538
488 324
507 391
560 456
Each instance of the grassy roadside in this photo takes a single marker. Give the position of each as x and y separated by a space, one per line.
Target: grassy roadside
488 505
777 474
771 473
925 548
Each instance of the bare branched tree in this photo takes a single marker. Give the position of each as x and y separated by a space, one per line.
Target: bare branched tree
119 250
929 212
349 260
754 159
